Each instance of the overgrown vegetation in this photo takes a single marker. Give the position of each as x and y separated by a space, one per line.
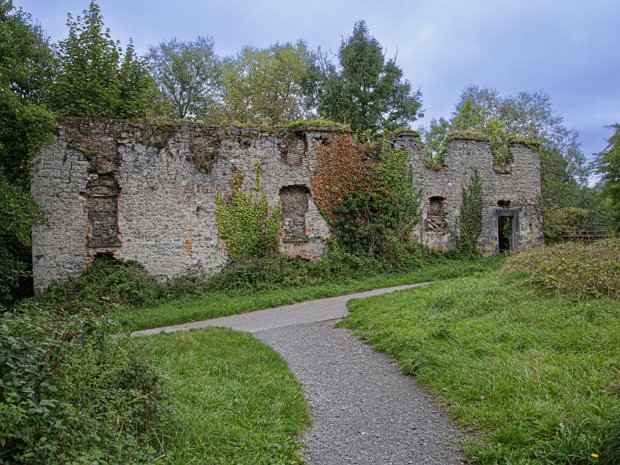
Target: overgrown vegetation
582 270
469 219
366 193
103 287
231 399
608 166
245 222
125 292
25 127
534 373
69 393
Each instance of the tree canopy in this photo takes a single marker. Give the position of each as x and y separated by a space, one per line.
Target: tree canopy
188 75
608 166
92 80
25 126
266 86
365 90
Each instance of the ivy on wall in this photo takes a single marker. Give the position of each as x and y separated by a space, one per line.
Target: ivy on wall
246 223
470 214
365 191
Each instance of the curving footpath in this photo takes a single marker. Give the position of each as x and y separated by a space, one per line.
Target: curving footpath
365 412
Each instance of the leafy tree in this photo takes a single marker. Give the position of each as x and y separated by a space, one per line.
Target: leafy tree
188 75
266 86
365 91
608 166
26 57
138 96
25 127
92 80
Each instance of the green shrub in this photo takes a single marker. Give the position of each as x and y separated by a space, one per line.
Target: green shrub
583 270
246 223
69 393
104 285
276 271
470 214
365 192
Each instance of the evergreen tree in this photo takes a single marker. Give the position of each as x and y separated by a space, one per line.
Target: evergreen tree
91 80
366 91
470 214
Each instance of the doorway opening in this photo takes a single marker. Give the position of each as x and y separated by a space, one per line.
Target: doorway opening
504 234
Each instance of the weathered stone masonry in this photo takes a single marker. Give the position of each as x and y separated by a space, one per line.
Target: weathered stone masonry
146 192
511 192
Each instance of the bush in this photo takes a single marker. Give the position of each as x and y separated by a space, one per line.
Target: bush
470 215
246 223
365 192
106 284
583 270
69 393
279 271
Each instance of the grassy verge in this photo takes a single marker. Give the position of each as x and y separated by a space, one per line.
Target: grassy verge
221 303
536 374
231 399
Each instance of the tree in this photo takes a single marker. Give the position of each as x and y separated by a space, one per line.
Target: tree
25 126
528 115
91 79
608 166
365 91
266 86
188 75
26 57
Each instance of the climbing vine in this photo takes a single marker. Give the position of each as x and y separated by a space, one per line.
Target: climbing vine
470 214
366 193
246 223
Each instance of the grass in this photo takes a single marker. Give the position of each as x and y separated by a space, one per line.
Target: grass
583 270
536 375
232 400
221 303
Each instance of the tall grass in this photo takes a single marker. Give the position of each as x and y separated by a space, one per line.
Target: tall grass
581 270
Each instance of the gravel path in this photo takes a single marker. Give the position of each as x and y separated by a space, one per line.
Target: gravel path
365 412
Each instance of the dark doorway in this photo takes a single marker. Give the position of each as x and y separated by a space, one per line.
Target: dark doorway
504 231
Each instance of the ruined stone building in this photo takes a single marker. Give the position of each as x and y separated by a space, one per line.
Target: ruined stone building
146 192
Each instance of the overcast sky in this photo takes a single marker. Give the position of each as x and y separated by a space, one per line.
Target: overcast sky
569 49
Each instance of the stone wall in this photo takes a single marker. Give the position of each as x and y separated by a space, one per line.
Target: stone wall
146 192
512 191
